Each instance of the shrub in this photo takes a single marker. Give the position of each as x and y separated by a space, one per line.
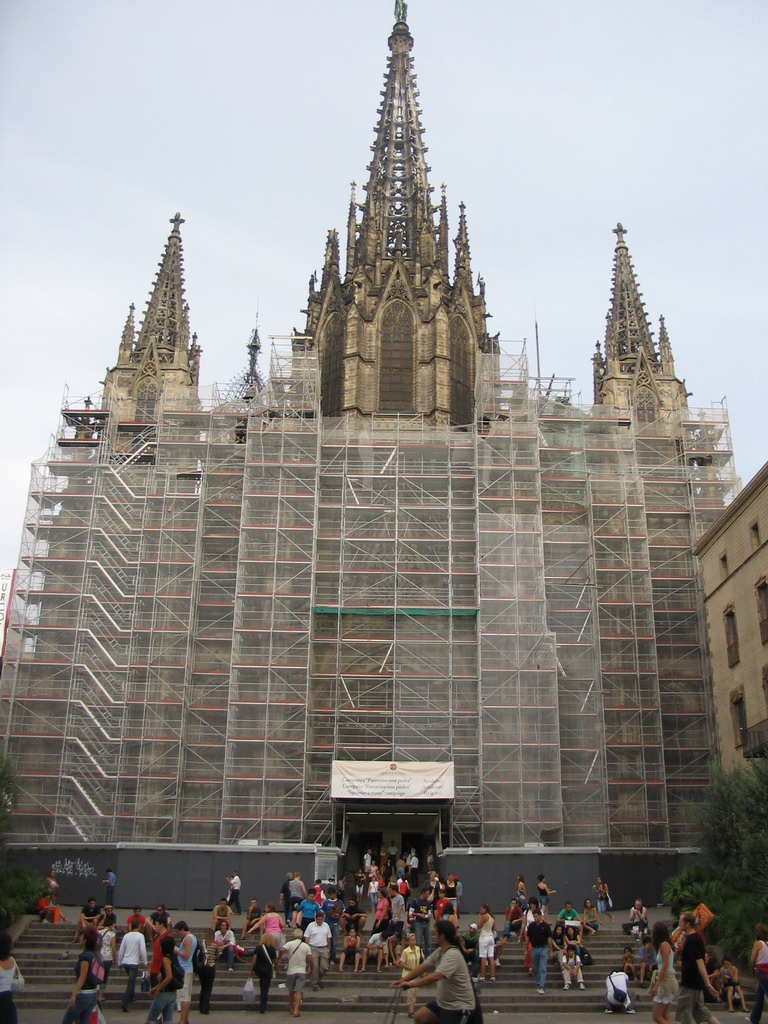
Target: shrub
684 891
733 927
20 889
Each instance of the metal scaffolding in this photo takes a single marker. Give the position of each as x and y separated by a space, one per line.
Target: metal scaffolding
214 606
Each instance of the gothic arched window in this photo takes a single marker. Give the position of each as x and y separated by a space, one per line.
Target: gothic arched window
461 372
396 363
332 356
645 405
146 400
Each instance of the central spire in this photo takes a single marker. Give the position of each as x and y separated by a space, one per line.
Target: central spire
398 211
627 331
394 335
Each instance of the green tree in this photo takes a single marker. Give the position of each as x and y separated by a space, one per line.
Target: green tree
732 824
731 827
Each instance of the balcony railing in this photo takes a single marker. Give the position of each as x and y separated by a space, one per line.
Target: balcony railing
754 740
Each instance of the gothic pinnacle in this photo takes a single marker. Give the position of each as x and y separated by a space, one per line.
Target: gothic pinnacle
463 267
627 328
129 332
166 322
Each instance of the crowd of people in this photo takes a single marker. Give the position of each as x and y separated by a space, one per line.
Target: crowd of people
383 917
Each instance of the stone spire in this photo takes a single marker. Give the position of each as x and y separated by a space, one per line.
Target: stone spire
630 374
398 204
442 235
165 329
665 349
463 267
395 335
162 358
128 339
627 330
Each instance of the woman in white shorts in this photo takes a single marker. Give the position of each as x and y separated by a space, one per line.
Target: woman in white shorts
664 987
486 943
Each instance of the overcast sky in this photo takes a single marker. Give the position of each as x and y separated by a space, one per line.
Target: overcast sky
550 119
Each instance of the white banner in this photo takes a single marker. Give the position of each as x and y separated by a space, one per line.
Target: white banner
390 780
7 577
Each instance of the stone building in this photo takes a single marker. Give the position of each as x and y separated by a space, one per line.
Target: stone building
734 566
399 591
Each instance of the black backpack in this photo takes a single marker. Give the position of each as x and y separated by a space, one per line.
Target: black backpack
177 975
200 956
618 993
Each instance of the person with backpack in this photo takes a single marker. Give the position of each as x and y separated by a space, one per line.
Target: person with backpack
617 993
186 953
455 1000
89 975
204 966
170 980
298 956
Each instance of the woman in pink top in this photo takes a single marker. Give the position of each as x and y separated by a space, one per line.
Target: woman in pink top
270 923
383 908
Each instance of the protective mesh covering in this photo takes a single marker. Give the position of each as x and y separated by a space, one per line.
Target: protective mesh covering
212 608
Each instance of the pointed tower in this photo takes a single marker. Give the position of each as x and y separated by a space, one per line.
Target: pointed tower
631 374
394 334
162 359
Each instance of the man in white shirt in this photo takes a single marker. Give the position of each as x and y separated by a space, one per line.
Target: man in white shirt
318 935
617 994
376 944
298 957
131 957
413 868
234 892
224 941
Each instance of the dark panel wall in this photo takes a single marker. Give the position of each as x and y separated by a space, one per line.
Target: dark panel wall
489 877
185 878
195 879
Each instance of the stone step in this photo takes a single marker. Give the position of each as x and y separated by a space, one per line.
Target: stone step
49 979
329 999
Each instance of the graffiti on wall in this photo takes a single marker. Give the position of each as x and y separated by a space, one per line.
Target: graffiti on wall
80 868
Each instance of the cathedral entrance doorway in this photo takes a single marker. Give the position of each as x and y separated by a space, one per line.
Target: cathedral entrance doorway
382 826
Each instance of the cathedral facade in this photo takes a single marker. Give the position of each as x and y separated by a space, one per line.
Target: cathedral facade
398 589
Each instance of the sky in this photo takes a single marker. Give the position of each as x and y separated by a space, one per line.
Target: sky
552 120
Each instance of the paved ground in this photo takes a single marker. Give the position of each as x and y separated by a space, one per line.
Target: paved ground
278 1012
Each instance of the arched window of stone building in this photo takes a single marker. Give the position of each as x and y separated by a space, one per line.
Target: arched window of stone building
461 372
332 356
645 405
396 362
146 400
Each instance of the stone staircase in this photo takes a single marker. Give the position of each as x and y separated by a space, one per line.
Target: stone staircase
46 956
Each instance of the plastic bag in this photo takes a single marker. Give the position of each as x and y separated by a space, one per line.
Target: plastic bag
249 991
